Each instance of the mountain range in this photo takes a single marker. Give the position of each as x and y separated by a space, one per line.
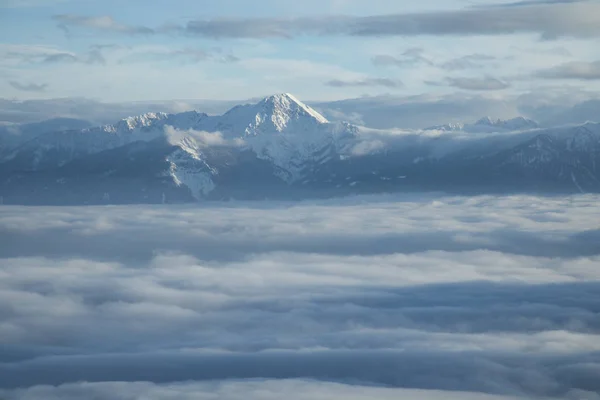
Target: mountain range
487 124
280 148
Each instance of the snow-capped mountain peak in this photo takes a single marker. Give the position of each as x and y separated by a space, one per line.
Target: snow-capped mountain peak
281 113
131 123
486 121
285 106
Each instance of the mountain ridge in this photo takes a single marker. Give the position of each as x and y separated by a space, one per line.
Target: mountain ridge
279 147
488 125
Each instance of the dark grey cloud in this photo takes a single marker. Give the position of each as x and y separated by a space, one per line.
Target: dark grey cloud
477 84
549 19
367 82
573 70
29 87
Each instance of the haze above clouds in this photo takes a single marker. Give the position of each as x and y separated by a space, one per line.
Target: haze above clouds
488 295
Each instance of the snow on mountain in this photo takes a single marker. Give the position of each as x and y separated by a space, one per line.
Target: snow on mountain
287 132
567 154
488 125
187 167
281 144
59 147
282 130
275 114
450 127
584 138
132 123
14 135
514 124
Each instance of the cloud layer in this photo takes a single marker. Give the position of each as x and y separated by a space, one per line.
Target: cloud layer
236 390
488 295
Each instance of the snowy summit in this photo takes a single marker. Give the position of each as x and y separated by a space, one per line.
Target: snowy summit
274 114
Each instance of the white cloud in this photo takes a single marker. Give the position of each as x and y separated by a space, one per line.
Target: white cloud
200 138
488 294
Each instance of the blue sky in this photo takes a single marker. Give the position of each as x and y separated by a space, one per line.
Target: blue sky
319 50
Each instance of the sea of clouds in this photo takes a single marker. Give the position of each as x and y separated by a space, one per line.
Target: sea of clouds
391 297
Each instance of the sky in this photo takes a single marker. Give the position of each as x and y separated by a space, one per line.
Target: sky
319 50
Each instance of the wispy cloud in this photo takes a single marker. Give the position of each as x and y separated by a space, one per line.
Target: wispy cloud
94 56
470 61
416 56
485 83
410 57
366 82
49 55
28 87
187 54
103 23
573 70
60 57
